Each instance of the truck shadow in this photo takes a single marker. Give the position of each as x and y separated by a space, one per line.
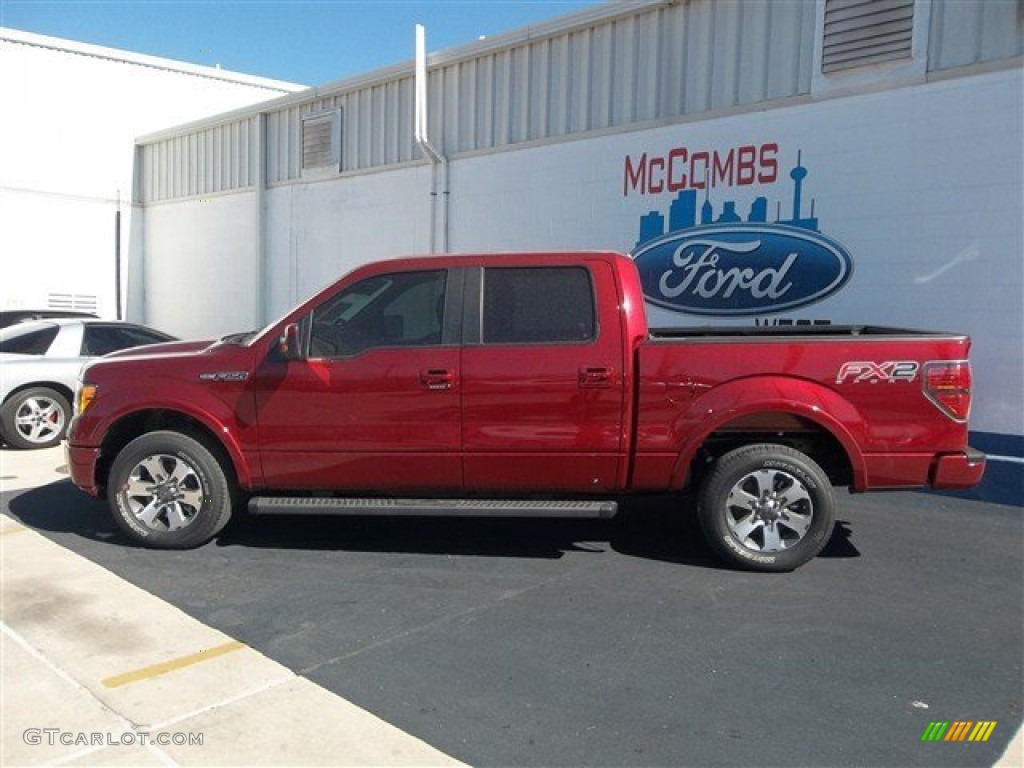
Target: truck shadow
59 507
656 530
653 528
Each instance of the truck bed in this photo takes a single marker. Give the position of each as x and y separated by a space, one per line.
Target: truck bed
769 332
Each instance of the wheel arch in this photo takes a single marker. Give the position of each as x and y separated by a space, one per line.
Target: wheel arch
800 414
132 425
66 392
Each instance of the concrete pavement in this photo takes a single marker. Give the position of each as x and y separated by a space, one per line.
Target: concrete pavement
99 672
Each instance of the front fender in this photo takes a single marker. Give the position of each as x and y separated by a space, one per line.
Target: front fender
226 418
726 403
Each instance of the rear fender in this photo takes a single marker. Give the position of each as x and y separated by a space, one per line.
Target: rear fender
766 395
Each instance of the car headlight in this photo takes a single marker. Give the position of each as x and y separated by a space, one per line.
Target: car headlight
84 395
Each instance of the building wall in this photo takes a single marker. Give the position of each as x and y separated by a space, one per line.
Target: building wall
376 216
69 115
177 290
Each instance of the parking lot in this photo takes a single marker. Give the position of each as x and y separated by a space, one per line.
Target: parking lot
618 642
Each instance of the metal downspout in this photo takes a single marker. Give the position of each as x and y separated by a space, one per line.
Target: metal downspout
428 149
260 268
117 259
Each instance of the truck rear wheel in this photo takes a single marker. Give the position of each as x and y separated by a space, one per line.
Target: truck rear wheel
169 491
766 507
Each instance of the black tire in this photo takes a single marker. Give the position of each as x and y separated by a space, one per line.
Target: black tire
36 417
766 508
168 490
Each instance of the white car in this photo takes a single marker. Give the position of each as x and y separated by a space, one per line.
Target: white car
39 365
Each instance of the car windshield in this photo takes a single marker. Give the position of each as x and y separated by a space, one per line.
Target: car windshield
28 338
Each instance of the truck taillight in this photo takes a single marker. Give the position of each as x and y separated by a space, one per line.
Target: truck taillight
948 385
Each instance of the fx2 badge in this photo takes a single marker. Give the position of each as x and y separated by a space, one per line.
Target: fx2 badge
890 371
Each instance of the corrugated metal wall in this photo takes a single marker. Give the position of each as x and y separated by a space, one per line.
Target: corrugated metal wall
622 65
665 62
199 163
965 33
376 129
662 63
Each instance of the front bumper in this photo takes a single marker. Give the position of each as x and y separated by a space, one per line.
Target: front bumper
81 463
958 470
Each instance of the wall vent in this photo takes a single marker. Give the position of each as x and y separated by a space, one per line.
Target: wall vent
79 302
859 33
321 140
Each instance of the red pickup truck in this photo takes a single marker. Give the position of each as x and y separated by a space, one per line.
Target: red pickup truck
520 385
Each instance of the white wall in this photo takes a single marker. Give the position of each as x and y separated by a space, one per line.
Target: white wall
316 232
69 115
200 274
51 243
201 257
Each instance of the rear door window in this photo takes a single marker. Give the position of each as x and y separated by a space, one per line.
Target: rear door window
538 305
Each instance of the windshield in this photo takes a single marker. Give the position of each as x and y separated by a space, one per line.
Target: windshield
28 338
350 303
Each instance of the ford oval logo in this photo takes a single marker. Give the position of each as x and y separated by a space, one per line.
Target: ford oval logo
741 269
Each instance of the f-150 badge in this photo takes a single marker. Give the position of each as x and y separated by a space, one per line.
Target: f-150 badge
224 376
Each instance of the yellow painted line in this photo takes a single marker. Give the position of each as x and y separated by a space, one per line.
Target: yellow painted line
170 666
7 530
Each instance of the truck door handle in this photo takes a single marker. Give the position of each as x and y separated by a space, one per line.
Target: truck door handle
437 378
595 377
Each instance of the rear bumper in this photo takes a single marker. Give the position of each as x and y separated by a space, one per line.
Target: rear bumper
943 471
82 467
958 470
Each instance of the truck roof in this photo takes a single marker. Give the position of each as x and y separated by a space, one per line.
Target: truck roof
475 259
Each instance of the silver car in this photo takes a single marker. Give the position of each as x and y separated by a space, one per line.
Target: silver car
39 365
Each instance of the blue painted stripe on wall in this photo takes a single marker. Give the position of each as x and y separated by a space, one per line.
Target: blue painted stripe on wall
1011 446
1004 472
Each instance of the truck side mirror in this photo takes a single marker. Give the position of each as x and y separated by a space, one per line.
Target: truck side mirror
288 343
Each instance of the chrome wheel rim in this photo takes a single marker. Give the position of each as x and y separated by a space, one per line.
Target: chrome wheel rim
39 419
164 493
769 510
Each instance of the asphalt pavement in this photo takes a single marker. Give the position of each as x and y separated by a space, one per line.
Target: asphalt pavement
623 642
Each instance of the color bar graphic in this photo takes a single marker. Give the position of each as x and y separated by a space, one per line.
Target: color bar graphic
958 730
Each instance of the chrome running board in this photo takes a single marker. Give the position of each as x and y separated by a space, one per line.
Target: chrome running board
292 505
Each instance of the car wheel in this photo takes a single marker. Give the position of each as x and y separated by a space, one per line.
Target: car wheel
767 508
36 417
168 490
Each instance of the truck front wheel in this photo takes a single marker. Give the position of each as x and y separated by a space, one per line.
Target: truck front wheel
766 508
169 491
